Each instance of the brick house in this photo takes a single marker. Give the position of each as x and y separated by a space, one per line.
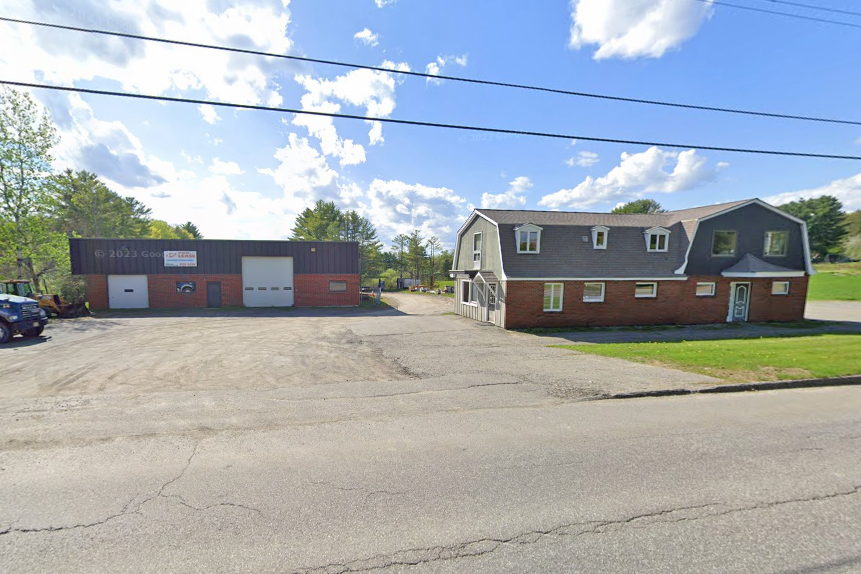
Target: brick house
739 261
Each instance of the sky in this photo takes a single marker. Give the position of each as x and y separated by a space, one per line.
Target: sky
245 174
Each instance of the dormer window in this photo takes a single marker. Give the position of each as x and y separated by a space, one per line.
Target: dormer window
528 238
476 250
599 237
657 239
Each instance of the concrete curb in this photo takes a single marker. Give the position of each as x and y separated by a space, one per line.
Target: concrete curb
744 387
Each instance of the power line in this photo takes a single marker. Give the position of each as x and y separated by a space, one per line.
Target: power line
778 13
814 7
424 124
440 77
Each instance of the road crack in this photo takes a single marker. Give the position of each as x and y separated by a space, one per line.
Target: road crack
484 546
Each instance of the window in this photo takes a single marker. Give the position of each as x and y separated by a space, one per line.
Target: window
705 289
337 286
528 238
528 242
780 288
464 291
476 250
552 297
593 292
657 239
775 243
599 237
643 290
723 243
473 293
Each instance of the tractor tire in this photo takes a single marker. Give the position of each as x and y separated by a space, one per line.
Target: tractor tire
5 333
34 332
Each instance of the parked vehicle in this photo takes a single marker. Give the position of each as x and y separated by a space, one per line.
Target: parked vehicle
20 315
51 304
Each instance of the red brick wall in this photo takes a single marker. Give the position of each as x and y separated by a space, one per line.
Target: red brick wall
313 291
676 303
163 295
97 291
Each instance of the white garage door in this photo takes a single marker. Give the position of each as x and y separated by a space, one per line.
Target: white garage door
127 292
267 281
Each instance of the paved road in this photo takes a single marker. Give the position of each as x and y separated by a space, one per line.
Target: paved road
764 482
834 311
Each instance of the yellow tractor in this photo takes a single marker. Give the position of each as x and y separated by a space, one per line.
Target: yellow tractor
52 304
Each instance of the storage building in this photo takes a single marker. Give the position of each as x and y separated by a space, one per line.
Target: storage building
167 273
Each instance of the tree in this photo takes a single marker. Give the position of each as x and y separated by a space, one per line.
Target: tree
824 217
192 230
852 223
320 223
416 252
640 206
159 229
399 245
390 277
354 227
434 247
852 247
26 139
852 242
84 206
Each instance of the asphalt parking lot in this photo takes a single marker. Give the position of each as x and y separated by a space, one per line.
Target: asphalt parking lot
296 349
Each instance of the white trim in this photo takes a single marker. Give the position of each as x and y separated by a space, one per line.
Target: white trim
596 279
734 245
783 293
561 296
765 274
603 292
765 242
528 228
756 201
732 287
595 231
657 231
681 270
654 294
476 213
713 290
480 249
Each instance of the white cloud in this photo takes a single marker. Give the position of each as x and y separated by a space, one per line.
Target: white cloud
847 190
209 114
397 207
858 141
384 3
651 171
583 159
367 37
510 198
31 53
303 174
219 167
228 203
635 28
372 90
436 67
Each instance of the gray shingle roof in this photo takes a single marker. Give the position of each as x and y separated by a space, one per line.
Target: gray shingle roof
566 244
751 264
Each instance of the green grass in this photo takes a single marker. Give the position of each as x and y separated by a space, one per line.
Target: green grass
746 360
836 282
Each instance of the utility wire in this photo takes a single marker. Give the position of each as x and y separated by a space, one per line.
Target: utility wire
814 7
422 123
778 13
440 77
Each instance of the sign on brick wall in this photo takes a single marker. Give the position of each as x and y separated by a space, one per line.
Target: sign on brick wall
180 258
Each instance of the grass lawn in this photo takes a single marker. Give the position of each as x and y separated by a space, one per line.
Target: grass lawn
836 282
745 360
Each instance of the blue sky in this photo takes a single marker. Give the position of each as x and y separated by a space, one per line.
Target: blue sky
245 174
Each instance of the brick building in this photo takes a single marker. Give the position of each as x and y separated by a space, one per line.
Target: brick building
164 273
739 261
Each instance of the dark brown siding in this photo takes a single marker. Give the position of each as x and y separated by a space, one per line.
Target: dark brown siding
214 256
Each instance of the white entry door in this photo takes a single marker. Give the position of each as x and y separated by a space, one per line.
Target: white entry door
267 281
491 303
128 292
